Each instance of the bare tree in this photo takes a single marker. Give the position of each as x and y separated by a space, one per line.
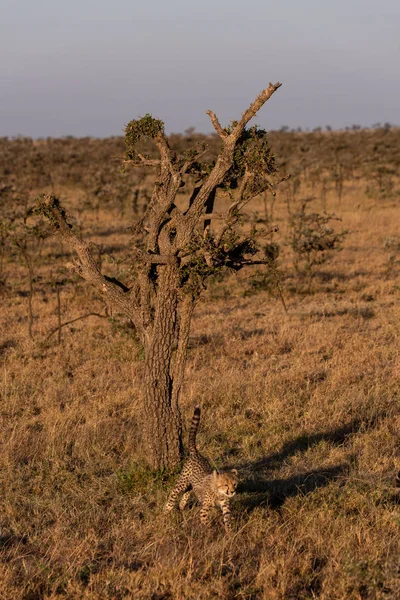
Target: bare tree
178 251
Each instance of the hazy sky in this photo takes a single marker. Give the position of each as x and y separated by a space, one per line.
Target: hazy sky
87 67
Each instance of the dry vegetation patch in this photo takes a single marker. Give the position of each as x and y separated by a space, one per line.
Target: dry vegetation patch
305 403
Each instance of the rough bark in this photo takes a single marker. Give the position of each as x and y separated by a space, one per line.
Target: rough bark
185 319
162 425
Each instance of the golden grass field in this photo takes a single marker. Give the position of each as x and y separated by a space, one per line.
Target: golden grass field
305 404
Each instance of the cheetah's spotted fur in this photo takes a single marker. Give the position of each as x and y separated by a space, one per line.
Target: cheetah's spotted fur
209 486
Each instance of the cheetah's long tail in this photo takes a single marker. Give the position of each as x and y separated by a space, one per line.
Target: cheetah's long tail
193 430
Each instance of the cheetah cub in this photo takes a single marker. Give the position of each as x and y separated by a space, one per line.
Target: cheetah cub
210 487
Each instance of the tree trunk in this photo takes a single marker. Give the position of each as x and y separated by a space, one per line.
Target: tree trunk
162 427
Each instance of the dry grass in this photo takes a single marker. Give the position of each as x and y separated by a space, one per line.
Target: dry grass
305 404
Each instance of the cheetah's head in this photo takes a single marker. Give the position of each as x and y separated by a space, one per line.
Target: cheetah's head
226 483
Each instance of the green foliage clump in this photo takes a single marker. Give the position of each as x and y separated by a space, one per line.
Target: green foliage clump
252 154
198 168
142 129
45 206
209 259
205 261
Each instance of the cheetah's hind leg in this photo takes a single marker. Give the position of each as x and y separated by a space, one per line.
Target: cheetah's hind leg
181 487
184 499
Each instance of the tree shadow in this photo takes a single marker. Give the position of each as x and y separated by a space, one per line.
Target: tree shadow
218 339
273 493
7 345
256 488
365 312
7 540
197 341
304 442
328 276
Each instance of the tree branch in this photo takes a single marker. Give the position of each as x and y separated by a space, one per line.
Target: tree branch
198 153
244 199
165 151
229 217
254 108
213 215
223 163
147 162
216 124
87 268
91 314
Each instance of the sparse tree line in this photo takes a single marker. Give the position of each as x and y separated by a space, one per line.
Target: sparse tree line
319 164
93 165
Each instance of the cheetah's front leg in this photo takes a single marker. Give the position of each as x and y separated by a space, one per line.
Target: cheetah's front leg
184 499
226 514
205 514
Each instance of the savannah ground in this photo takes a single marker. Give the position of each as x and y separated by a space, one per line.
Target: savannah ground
304 403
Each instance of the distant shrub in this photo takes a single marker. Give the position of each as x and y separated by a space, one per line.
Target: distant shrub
312 239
